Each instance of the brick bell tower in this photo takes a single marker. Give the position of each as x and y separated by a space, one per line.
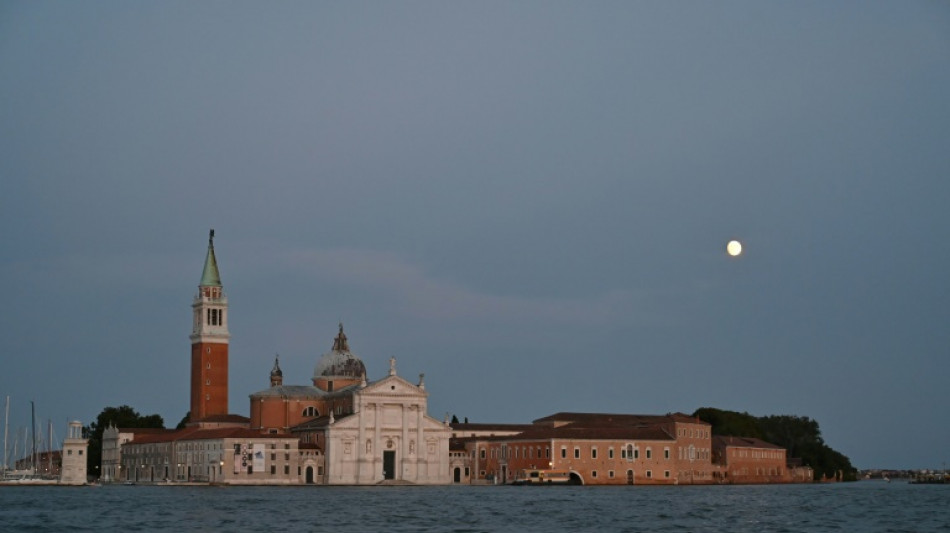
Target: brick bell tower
209 343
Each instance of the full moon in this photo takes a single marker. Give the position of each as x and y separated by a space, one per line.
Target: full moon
734 248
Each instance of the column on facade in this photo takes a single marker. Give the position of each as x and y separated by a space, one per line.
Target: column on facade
403 449
421 447
362 454
377 422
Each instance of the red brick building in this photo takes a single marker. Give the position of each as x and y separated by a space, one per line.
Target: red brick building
747 460
337 375
597 448
616 449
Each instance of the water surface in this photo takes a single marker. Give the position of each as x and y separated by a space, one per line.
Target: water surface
866 506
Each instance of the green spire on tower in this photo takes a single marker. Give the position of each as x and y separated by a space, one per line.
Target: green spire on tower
210 276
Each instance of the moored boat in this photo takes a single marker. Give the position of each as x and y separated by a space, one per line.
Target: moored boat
542 477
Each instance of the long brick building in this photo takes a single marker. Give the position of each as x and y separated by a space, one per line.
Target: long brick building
616 449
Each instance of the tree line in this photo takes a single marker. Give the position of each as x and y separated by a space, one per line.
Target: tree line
799 435
120 417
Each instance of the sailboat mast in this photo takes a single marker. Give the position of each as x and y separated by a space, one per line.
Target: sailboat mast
6 427
49 448
33 435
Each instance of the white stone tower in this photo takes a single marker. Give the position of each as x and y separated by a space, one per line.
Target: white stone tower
75 449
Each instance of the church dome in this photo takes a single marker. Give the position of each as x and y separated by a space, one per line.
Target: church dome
339 362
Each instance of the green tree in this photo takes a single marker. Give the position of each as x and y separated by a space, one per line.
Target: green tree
730 423
120 417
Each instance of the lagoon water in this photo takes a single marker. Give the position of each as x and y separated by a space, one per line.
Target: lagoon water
866 506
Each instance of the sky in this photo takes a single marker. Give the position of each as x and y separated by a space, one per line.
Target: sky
527 201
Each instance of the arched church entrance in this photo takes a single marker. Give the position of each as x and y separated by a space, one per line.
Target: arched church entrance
458 475
309 475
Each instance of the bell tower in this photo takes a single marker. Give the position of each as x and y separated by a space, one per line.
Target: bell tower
209 343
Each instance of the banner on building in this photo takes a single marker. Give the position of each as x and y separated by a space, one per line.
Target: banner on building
258 458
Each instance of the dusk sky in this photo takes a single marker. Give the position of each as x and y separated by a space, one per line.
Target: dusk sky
528 201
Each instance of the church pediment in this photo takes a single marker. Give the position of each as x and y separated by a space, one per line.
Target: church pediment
393 386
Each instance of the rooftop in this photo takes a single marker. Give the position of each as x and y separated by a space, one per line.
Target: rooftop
723 441
202 434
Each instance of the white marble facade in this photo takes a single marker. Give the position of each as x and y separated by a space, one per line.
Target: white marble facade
389 438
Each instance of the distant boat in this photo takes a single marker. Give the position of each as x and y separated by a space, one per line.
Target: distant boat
29 481
542 477
931 479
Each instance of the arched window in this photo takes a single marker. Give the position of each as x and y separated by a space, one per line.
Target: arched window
310 411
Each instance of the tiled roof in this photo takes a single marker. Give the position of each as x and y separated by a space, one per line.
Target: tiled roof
722 441
144 431
583 426
616 432
291 391
603 419
487 438
319 422
229 418
467 427
607 432
200 434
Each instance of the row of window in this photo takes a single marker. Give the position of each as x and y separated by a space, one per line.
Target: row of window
693 454
188 451
630 475
629 452
758 472
523 452
695 474
610 474
694 433
273 470
759 454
